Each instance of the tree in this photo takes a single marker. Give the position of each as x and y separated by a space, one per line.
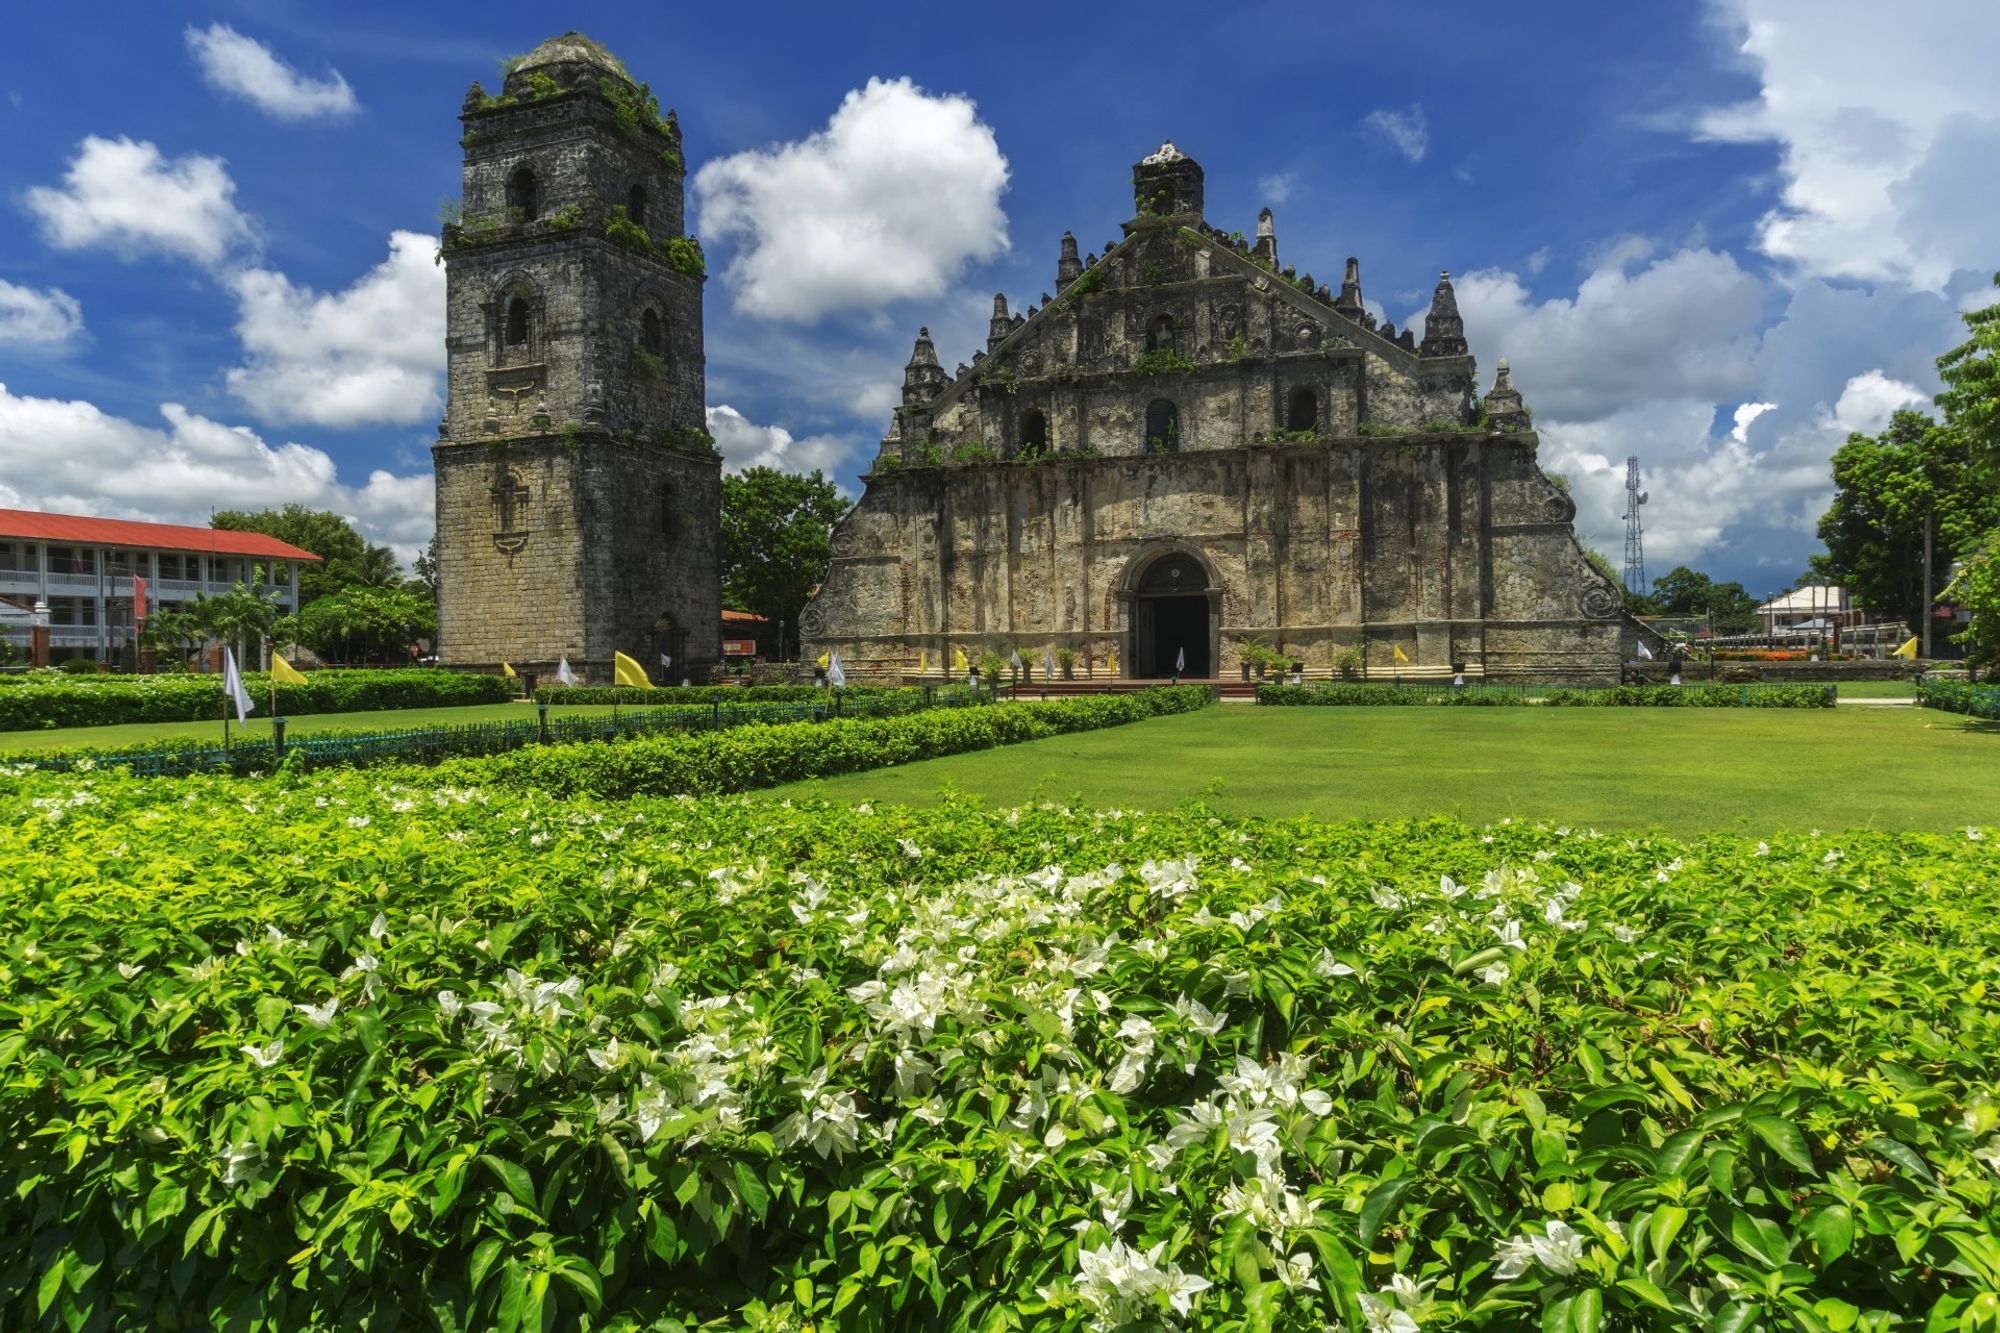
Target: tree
321 531
1971 397
1689 592
425 568
1886 488
375 567
777 530
366 624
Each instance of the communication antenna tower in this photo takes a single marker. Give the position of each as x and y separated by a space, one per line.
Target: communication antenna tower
1635 543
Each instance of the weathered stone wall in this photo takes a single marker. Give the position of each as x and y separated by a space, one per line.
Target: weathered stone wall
1453 547
578 498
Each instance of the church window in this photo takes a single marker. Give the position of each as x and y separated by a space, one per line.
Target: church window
635 205
1160 334
1163 426
1303 413
522 204
1034 433
652 335
510 502
517 323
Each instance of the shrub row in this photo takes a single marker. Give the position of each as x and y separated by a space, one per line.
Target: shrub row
182 756
765 756
605 695
1960 697
1617 696
94 701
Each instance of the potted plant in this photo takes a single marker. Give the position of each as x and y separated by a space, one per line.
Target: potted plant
1066 659
1347 660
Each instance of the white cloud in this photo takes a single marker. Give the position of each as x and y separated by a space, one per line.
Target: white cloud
68 456
1405 131
744 444
130 197
890 201
371 353
247 68
1745 416
31 316
1277 188
1683 326
1887 119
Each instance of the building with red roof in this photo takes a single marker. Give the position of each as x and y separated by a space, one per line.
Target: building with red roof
79 571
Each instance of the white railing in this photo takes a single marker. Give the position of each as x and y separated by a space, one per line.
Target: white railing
71 579
31 577
75 636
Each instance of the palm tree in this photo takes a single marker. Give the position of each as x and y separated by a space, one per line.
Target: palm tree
375 567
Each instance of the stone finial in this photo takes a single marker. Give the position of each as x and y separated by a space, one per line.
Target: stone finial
923 377
1166 153
925 351
1266 248
475 97
1349 300
1001 324
1504 409
1444 331
1068 267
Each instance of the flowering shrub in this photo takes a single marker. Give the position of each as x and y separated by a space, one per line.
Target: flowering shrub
1696 696
357 1051
704 694
91 701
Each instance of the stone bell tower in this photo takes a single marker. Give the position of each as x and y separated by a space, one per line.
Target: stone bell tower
578 492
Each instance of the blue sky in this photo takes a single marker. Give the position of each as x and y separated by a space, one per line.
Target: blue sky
1716 235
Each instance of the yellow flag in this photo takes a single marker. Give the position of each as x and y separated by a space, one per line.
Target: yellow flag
507 672
958 662
1112 664
628 672
1398 649
284 671
1908 650
923 663
824 660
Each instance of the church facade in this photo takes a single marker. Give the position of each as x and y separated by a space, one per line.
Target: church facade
578 492
1190 447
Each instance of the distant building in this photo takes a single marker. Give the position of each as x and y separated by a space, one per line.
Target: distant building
83 568
1814 608
743 634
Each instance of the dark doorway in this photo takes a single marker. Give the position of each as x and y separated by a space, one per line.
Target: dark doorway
1171 620
1304 411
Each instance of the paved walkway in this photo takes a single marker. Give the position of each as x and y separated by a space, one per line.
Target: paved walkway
1880 703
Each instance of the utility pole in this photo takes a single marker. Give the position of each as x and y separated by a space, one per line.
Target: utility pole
1929 515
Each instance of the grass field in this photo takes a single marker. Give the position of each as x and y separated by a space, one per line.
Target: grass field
1689 771
259 726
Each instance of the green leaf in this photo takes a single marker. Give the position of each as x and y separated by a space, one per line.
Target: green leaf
483 1255
1831 1230
751 1189
50 1285
1734 1318
1649 1293
515 1177
1671 1085
165 1200
513 1297
1784 1139
1904 1156
1677 1152
1380 1202
1586 1314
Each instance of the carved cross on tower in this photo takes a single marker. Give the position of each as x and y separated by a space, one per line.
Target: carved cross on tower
510 498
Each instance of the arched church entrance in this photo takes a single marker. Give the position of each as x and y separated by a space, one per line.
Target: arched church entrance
1173 619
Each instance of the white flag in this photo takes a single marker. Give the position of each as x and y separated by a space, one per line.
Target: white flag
1048 664
232 685
1180 660
1014 659
666 660
1645 653
564 676
836 675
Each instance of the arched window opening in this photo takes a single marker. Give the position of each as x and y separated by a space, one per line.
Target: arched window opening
1034 433
652 335
517 322
635 205
1164 203
1160 334
1163 426
521 200
1303 413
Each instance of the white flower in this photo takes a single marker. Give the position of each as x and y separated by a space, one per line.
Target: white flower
240 1163
365 962
1509 932
276 938
1557 1249
449 1004
1763 849
130 970
1515 1255
604 1057
1973 834
1495 974
1624 934
320 1016
1200 1017
378 927
357 821
1409 1292
1449 888
1329 966
1990 1154
266 1055
650 1107
1297 1273
1384 1317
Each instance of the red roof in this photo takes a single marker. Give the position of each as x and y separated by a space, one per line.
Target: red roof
742 618
36 526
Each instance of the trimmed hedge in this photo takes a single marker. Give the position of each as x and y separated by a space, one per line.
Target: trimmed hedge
1696 696
1959 697
704 694
182 756
750 757
1615 696
95 701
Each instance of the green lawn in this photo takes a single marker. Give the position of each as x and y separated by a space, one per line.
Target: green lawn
1687 771
1878 689
393 719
